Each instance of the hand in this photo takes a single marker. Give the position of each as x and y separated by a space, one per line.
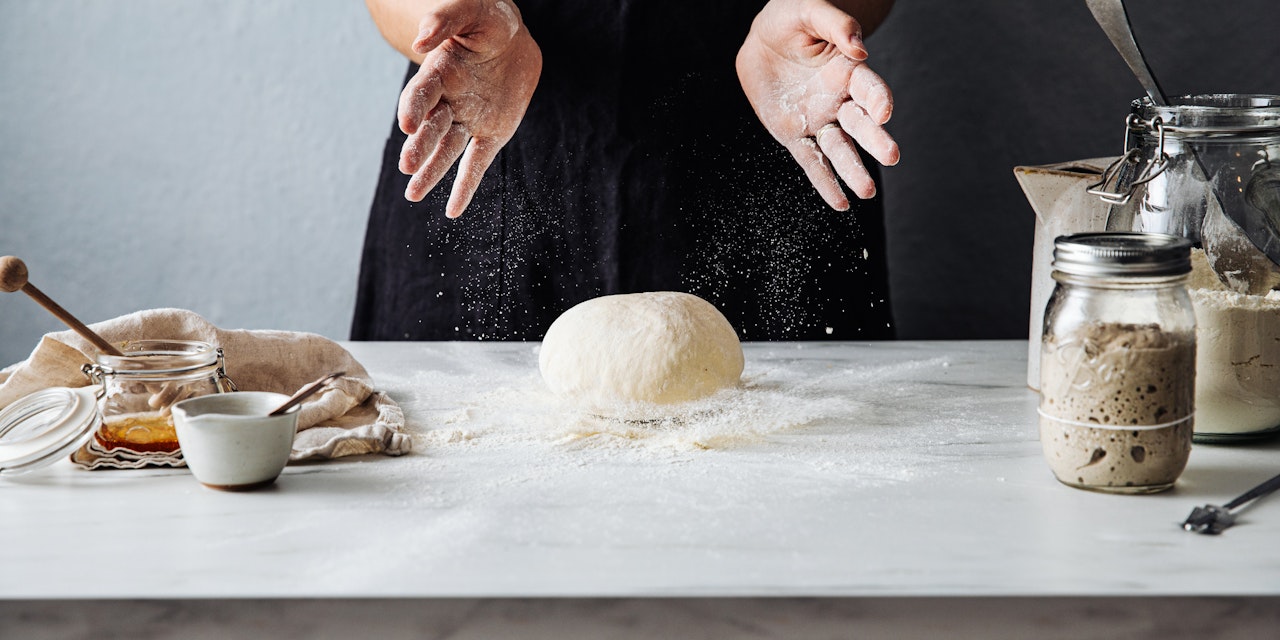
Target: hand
802 67
467 99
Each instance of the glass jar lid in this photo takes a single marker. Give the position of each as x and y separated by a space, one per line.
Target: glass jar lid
1229 117
159 357
44 426
1122 254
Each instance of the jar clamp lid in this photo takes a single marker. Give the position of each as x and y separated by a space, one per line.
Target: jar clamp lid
44 426
1241 130
1110 254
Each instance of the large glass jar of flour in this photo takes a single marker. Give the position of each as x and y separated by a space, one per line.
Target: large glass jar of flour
1117 362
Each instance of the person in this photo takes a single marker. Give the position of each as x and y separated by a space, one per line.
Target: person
612 147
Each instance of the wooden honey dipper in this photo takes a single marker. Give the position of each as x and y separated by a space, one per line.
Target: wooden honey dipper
13 277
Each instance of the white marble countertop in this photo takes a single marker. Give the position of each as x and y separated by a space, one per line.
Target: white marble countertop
897 468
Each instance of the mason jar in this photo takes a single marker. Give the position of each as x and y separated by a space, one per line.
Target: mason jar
139 388
1118 362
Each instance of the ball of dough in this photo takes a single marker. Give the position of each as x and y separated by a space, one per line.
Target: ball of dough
661 348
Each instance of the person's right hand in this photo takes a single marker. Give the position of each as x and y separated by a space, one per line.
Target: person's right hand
476 80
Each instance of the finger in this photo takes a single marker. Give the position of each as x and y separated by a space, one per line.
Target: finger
476 160
815 166
419 97
445 154
832 24
871 91
417 146
436 27
873 137
839 149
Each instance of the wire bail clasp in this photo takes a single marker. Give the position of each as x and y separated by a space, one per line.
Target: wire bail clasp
1147 174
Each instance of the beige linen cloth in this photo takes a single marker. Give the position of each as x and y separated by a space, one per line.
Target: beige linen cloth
348 418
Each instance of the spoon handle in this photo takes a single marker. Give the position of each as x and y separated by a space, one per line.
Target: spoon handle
1114 20
70 320
306 392
1254 493
15 277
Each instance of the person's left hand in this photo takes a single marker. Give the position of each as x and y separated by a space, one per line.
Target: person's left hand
803 68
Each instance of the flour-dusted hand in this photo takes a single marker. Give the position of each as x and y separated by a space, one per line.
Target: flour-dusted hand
478 73
803 68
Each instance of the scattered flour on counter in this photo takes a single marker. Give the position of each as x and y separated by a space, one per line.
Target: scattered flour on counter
513 406
781 408
500 464
517 409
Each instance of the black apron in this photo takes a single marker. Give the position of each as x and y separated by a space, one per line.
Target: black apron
639 166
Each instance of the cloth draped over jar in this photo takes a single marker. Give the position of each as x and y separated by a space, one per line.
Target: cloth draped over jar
348 418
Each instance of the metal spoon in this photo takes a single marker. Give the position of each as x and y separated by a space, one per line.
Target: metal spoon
1262 192
1232 255
1212 519
1114 20
306 392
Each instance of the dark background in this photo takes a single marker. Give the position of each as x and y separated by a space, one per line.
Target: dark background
982 86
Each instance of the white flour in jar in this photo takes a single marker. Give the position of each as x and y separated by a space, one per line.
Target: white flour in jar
1237 357
1238 361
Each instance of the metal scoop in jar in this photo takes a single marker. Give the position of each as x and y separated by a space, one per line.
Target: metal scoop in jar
1242 243
1233 255
1262 192
1242 247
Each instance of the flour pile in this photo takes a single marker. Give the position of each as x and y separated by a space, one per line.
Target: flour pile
782 407
515 407
500 465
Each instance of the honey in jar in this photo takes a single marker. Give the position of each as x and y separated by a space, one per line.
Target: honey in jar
140 386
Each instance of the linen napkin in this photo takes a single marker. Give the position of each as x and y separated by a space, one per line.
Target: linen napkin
348 418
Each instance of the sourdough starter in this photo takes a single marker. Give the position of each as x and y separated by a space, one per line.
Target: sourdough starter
1116 406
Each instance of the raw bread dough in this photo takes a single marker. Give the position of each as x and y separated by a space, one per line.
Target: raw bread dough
658 348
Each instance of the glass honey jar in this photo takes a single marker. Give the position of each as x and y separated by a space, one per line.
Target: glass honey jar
138 388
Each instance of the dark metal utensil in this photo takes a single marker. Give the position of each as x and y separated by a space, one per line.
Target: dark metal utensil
1114 20
1262 192
1212 519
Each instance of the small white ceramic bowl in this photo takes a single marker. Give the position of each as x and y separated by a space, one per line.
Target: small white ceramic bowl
229 441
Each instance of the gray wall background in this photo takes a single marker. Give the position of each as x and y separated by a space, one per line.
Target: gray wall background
220 156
